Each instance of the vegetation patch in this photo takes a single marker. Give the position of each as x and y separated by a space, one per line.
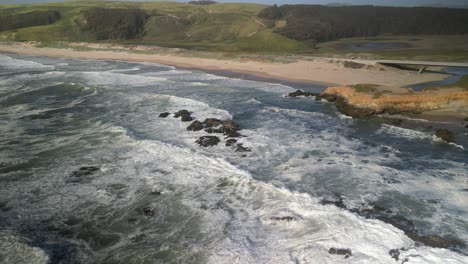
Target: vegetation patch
325 23
365 88
113 23
9 21
462 82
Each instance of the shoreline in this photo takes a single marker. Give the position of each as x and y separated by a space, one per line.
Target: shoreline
301 73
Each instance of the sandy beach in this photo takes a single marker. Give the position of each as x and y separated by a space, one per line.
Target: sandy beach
317 70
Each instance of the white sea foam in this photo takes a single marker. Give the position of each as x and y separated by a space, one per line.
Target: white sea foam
126 70
402 132
251 210
10 63
119 79
14 250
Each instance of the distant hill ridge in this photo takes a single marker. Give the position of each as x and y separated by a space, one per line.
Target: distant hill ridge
214 26
324 23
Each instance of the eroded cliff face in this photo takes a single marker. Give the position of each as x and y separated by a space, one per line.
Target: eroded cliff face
353 103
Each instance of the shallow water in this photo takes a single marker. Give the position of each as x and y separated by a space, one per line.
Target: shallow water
157 197
455 74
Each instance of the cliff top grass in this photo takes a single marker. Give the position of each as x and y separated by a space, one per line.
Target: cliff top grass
461 83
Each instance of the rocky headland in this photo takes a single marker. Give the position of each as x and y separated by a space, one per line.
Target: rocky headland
367 100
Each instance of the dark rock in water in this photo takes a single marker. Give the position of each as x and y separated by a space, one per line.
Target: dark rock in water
138 238
230 126
181 113
466 126
283 219
186 118
345 108
231 142
241 148
184 114
208 141
195 126
395 254
232 134
212 122
156 192
466 119
300 93
339 203
445 135
85 171
434 241
397 122
341 251
214 130
164 115
148 211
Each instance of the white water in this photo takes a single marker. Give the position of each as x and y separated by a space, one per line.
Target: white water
214 203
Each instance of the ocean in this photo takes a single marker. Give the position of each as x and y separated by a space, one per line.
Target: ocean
89 173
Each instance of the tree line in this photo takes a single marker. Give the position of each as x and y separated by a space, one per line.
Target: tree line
325 23
10 21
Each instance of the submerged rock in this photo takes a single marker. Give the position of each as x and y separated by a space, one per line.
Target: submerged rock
241 148
282 219
445 135
397 122
164 115
339 203
232 134
148 211
195 126
85 171
231 142
300 93
208 141
212 122
395 254
341 251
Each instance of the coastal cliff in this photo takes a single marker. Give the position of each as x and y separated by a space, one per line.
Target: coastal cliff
367 100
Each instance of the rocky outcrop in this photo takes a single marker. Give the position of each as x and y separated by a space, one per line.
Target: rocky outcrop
164 115
208 141
229 128
184 115
341 251
301 93
85 171
445 135
195 126
354 103
212 122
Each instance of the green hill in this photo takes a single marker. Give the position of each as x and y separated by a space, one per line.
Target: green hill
221 27
244 27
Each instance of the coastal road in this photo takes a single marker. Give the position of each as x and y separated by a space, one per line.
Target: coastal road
423 64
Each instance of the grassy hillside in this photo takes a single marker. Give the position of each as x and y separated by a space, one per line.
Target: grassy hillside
221 27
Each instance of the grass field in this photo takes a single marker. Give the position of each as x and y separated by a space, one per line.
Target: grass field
416 47
229 28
